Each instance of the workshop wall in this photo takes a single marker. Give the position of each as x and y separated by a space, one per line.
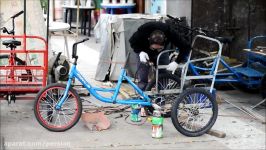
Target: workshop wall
242 19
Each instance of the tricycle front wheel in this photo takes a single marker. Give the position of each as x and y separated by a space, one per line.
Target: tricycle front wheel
57 120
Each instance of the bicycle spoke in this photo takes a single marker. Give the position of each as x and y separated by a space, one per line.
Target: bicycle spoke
50 119
47 116
195 102
45 101
46 110
57 116
65 117
53 100
59 121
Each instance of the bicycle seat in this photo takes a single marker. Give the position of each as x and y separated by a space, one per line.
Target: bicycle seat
11 43
225 40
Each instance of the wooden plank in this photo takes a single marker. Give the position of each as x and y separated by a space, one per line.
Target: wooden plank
216 133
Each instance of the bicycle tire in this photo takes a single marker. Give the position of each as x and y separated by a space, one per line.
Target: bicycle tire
162 86
19 62
185 103
47 119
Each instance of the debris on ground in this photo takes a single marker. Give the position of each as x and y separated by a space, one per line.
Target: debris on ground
96 121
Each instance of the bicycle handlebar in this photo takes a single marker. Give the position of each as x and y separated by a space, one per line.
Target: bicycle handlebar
13 24
173 18
74 48
18 14
4 29
197 29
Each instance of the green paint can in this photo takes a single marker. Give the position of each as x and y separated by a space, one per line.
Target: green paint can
135 113
157 124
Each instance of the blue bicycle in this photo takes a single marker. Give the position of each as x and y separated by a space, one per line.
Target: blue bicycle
58 107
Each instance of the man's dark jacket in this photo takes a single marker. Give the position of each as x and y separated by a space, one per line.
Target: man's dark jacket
139 40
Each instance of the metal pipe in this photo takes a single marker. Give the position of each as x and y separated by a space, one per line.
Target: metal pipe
77 24
47 25
25 12
249 13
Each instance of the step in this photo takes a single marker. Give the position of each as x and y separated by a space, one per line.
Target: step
249 72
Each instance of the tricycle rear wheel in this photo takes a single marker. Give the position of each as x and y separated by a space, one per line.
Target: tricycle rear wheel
194 112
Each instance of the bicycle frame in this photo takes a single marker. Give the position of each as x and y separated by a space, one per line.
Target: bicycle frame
213 70
195 71
74 73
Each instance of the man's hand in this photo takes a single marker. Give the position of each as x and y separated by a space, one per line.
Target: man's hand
172 67
143 57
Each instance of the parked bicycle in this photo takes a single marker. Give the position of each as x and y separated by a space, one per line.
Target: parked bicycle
17 74
12 58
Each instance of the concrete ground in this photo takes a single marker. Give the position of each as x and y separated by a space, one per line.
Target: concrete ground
20 129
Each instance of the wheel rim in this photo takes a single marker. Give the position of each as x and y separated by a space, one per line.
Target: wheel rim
57 119
195 112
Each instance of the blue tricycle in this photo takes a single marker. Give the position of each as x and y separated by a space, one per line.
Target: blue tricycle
58 107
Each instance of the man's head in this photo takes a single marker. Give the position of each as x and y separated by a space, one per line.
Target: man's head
157 40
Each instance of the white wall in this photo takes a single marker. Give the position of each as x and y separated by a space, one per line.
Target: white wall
179 8
176 8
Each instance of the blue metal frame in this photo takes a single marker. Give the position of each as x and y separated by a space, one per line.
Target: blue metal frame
250 42
232 72
74 73
195 71
255 57
201 98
